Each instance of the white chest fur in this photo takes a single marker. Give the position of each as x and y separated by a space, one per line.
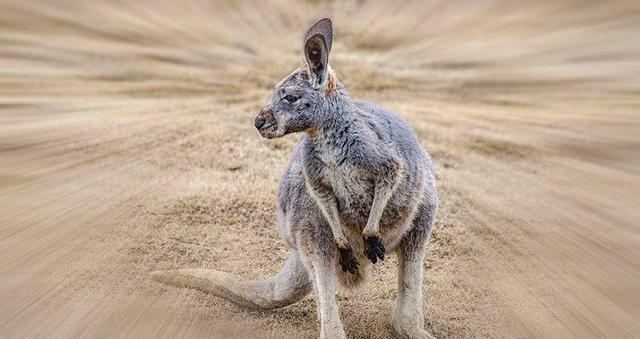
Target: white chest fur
353 188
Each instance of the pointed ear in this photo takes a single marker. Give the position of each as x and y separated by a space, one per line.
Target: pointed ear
317 45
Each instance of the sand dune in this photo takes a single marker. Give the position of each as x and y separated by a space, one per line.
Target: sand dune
127 146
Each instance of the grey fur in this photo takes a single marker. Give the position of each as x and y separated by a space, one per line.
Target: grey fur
357 172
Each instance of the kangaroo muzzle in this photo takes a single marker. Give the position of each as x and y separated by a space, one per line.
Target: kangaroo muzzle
265 123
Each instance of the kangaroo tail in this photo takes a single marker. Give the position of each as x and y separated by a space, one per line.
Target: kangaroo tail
288 286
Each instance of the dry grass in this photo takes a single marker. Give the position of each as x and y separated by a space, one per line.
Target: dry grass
127 145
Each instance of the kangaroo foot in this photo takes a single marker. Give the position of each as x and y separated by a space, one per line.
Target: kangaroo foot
348 262
373 248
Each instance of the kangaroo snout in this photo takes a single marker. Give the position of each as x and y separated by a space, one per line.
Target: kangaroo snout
260 121
264 118
266 123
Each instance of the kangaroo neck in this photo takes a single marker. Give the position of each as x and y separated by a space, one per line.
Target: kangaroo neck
337 132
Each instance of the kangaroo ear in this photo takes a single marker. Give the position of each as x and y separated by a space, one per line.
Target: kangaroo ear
317 45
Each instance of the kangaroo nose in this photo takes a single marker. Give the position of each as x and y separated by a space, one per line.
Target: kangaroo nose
260 121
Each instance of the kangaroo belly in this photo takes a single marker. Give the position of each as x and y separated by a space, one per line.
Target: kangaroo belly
354 195
355 199
354 213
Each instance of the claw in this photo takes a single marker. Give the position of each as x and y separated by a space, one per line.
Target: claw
373 249
348 262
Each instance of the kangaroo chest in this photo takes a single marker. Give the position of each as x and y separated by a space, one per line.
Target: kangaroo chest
352 187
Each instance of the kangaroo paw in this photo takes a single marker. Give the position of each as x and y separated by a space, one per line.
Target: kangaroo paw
348 262
373 248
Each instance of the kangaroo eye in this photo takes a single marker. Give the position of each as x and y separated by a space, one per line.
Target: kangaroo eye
291 98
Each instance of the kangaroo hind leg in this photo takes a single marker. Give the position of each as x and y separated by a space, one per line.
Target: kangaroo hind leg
326 284
408 318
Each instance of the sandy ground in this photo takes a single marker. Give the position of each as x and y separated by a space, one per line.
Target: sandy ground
127 146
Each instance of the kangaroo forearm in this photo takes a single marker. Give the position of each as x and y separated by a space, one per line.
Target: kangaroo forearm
388 172
385 187
381 198
329 208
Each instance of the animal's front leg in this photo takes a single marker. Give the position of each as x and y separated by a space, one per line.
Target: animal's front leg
325 199
386 185
373 247
326 284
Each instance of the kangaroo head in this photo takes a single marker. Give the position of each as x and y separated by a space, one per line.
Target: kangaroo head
299 101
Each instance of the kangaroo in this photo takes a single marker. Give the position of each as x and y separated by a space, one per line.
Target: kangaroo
357 185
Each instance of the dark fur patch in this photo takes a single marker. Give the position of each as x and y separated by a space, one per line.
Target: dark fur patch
373 249
348 262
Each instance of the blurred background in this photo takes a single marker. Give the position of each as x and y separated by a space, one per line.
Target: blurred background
127 145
